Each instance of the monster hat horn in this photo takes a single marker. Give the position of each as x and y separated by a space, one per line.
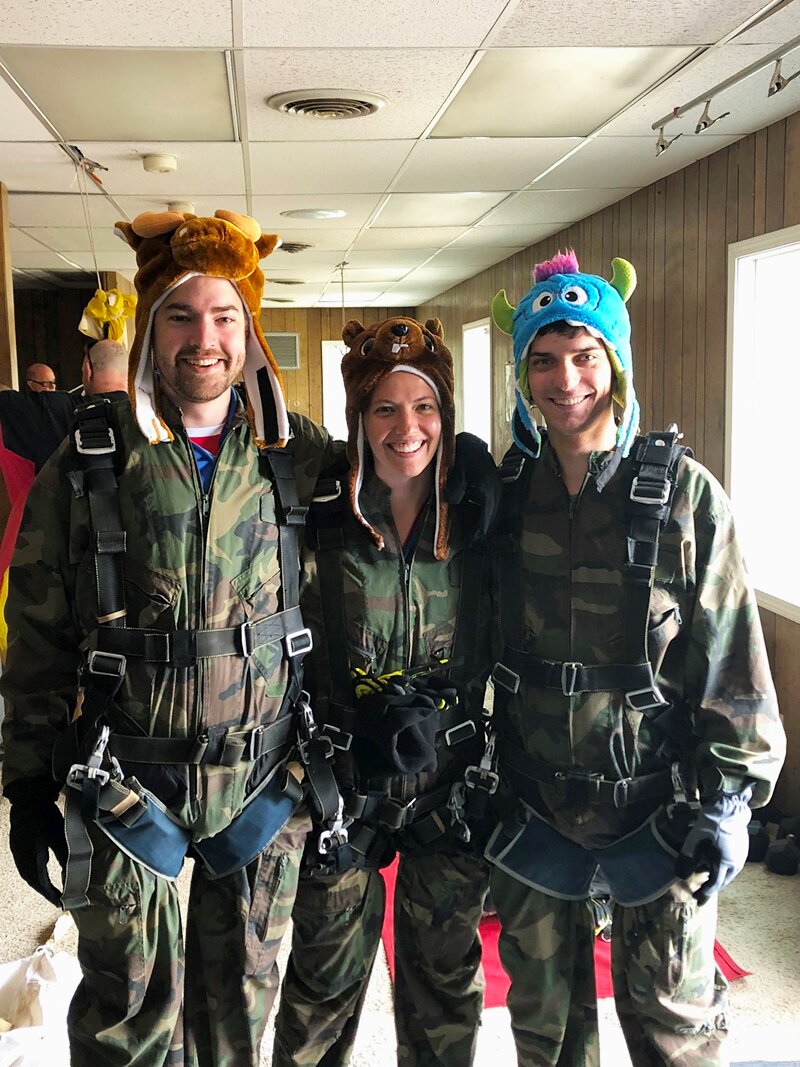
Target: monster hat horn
561 293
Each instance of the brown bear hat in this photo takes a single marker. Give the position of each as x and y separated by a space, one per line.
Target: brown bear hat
171 248
398 344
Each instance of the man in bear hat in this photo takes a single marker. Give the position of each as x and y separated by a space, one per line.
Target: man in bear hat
154 664
636 717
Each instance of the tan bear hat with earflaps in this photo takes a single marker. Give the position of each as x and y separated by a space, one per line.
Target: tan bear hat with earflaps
171 248
398 344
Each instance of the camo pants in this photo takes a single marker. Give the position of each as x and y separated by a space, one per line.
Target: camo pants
669 994
145 1000
438 991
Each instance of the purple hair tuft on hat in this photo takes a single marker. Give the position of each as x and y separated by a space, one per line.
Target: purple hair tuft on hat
561 263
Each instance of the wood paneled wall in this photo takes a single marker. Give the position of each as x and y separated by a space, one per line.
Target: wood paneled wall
676 232
303 387
47 331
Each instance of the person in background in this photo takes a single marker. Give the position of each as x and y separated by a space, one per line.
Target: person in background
396 595
104 369
635 713
40 378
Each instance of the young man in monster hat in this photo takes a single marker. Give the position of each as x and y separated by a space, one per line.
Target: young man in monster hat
154 664
635 713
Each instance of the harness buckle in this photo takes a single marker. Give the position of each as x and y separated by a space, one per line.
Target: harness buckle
460 732
649 492
569 676
401 813
106 664
505 678
341 740
652 697
245 640
89 450
620 793
478 777
79 772
298 642
254 743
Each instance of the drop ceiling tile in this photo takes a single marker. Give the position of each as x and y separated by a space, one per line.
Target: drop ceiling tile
204 168
19 123
30 209
280 274
147 23
416 83
36 166
362 23
783 26
410 237
491 236
582 23
267 209
393 257
123 260
501 98
436 209
73 238
476 257
411 296
333 241
440 277
325 166
127 94
306 291
611 162
748 101
21 241
554 208
492 163
387 275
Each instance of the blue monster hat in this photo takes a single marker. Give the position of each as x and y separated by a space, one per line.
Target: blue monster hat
562 294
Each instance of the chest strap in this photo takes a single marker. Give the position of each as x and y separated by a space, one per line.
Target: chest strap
634 679
183 648
218 747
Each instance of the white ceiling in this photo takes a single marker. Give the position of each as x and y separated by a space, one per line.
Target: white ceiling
505 120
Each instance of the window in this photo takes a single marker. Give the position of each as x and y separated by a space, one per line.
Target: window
333 394
476 375
763 412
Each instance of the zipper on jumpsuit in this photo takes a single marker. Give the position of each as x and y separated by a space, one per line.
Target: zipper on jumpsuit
203 509
571 509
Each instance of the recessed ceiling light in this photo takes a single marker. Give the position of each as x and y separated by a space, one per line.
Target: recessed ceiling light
314 213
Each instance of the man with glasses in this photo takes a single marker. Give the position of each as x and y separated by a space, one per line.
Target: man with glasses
40 378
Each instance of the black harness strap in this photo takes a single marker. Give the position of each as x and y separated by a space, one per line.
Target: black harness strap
656 459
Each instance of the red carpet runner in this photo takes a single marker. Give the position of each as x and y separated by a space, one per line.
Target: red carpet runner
496 979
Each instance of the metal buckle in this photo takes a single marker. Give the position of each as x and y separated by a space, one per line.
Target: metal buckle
569 676
91 664
450 736
402 813
620 794
253 741
641 496
326 498
85 450
658 700
477 777
343 746
505 678
78 772
298 642
245 641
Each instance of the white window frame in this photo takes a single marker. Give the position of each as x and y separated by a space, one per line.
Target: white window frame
485 323
777 241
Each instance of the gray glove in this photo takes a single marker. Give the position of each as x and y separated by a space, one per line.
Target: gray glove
717 842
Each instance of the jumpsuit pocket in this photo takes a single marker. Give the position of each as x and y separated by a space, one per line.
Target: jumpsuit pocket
111 949
272 894
676 931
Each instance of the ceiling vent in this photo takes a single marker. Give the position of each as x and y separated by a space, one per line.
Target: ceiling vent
286 349
276 300
284 281
292 246
327 103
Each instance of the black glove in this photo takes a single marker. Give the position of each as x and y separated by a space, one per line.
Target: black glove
717 842
442 691
395 732
37 828
474 485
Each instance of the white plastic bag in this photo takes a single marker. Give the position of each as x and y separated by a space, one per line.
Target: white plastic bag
34 997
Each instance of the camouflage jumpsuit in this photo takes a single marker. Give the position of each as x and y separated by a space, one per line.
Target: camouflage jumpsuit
398 614
193 560
707 652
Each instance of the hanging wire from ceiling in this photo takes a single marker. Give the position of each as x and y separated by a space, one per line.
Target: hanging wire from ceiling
340 267
84 166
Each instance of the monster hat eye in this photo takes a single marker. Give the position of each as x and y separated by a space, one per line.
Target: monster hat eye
574 295
368 345
541 301
429 343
